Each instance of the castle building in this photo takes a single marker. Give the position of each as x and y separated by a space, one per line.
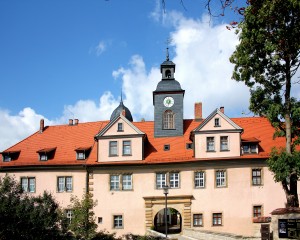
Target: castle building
215 167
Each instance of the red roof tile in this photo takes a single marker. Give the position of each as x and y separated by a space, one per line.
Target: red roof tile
68 138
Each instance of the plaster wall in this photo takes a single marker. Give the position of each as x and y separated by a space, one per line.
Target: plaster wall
47 181
136 149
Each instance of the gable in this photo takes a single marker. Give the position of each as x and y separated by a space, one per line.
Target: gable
218 121
118 127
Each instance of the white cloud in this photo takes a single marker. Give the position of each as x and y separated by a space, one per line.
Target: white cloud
157 12
14 128
101 47
201 54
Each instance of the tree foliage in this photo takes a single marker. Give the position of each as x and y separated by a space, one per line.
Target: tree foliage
26 217
266 59
83 220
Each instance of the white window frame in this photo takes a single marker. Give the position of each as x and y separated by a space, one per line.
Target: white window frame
161 180
118 221
126 181
120 127
28 184
174 179
221 178
64 184
222 141
217 122
126 148
199 179
255 177
114 182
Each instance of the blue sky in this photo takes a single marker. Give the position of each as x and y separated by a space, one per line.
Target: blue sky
71 59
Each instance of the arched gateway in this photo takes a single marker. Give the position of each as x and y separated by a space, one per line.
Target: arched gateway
181 204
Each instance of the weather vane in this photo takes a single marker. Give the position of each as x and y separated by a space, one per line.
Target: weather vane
168 42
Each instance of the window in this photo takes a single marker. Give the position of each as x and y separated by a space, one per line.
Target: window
199 179
100 220
161 180
257 211
167 147
69 215
120 127
127 147
46 153
224 143
217 122
10 156
168 120
256 177
43 157
114 182
118 221
127 182
210 144
6 158
189 146
64 184
121 182
83 153
113 148
28 184
250 148
171 179
198 220
217 219
80 155
174 180
221 178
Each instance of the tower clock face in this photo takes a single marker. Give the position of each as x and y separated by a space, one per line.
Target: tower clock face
168 101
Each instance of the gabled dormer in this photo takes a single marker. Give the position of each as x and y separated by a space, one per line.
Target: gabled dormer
217 136
120 140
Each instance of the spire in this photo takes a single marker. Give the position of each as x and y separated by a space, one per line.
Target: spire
167 57
121 96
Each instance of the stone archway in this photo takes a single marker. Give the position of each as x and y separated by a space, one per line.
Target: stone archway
182 204
174 221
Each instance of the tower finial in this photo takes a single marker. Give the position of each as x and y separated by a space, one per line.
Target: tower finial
167 57
121 95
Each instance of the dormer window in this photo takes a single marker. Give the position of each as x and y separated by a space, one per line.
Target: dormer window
46 153
82 153
250 145
10 155
217 122
120 127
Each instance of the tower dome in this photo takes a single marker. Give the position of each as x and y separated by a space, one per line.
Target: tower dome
121 109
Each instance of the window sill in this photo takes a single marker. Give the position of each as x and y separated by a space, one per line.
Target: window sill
113 155
212 151
257 185
225 150
126 155
120 131
200 187
220 225
196 226
221 186
217 126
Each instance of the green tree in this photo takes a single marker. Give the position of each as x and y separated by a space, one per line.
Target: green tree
266 59
83 220
26 217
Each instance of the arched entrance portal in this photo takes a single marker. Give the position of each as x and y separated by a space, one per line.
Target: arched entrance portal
174 221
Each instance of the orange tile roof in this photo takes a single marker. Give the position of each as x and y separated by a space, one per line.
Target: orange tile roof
66 139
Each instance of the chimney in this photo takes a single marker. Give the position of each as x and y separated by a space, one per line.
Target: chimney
42 125
222 110
76 121
70 122
198 111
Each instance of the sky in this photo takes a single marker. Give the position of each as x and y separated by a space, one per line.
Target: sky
67 59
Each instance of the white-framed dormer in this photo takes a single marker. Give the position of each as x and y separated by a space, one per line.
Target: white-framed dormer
217 136
120 140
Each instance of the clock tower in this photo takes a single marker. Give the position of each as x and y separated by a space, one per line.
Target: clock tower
168 103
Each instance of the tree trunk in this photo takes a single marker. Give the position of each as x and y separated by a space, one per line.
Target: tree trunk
291 191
